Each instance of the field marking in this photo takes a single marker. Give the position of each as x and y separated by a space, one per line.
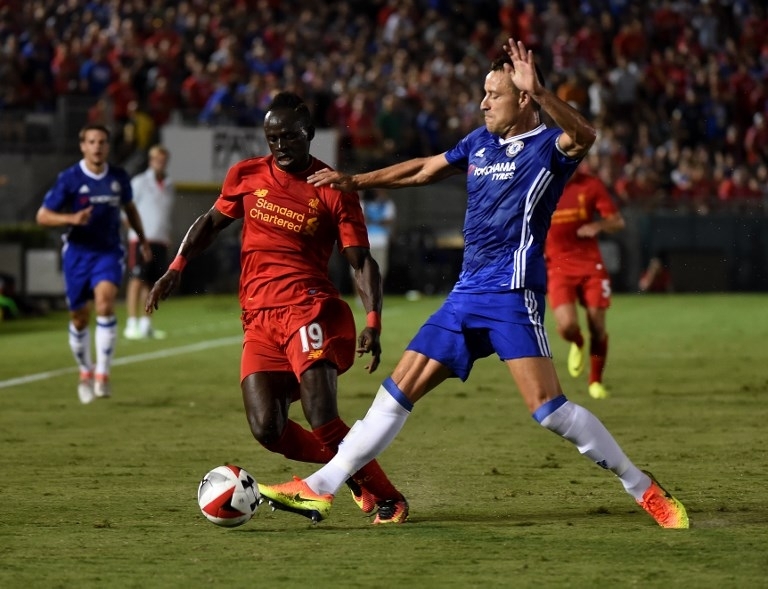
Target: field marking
167 353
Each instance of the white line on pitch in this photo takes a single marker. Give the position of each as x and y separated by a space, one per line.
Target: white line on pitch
205 345
198 347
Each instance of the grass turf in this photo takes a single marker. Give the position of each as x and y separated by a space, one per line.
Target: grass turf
104 495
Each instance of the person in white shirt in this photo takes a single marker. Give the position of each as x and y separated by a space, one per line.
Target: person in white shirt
154 194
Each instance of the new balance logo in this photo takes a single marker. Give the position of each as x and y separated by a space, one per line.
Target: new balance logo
83 189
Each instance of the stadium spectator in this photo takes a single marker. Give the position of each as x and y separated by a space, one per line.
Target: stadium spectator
695 62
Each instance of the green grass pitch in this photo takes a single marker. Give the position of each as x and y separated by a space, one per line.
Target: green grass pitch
104 495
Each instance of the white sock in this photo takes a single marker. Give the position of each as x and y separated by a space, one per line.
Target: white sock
580 427
366 440
145 324
132 323
106 335
80 344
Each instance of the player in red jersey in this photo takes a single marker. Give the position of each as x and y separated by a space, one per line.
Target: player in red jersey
299 335
576 272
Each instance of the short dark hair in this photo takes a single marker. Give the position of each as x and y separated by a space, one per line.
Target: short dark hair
497 65
93 127
294 102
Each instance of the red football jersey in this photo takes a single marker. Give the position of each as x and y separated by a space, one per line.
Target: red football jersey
289 228
582 197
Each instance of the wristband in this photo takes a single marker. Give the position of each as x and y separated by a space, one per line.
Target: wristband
374 321
178 263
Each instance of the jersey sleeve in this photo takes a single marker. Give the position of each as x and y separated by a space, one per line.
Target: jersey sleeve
561 161
458 155
230 201
604 202
351 221
56 199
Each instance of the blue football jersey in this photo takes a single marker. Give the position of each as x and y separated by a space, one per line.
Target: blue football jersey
513 186
77 188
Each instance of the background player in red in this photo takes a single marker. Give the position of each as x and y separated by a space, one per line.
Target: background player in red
576 272
299 335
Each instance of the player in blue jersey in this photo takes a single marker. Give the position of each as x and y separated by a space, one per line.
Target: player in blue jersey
516 168
87 198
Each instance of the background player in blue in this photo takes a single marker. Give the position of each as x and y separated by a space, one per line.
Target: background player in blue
88 198
516 168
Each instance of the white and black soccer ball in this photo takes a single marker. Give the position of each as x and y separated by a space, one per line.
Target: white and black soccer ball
228 496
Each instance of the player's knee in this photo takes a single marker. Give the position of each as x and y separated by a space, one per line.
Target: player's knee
569 330
267 432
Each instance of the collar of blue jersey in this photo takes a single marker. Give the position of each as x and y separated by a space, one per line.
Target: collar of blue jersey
535 131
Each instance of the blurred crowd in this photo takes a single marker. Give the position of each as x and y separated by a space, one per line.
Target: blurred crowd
677 88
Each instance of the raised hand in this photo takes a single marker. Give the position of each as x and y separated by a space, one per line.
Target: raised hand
523 70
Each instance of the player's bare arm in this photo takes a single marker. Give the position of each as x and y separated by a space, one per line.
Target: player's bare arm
134 220
49 218
609 224
199 236
368 284
414 172
578 134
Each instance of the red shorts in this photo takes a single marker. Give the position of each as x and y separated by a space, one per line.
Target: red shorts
293 338
592 290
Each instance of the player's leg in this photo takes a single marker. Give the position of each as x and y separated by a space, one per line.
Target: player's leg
132 298
365 440
80 344
370 485
148 275
133 292
598 351
269 386
414 376
267 397
327 328
538 383
76 265
597 298
562 294
106 276
521 341
105 297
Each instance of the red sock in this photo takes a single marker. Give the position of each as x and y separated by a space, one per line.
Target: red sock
598 353
299 444
371 476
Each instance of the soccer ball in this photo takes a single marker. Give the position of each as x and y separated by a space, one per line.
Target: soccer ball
228 496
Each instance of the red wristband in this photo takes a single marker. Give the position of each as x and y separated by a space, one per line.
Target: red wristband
374 321
178 263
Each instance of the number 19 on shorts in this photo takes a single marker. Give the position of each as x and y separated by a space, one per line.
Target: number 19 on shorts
311 337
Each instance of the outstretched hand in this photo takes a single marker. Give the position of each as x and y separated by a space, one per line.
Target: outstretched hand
335 179
161 290
368 341
523 70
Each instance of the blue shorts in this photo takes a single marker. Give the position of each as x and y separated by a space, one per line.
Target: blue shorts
85 268
471 326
